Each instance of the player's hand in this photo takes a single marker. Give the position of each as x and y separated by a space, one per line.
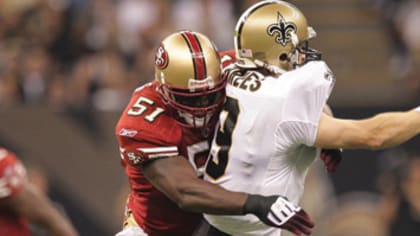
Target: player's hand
331 158
278 212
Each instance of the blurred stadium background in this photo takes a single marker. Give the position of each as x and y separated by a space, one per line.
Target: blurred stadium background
68 67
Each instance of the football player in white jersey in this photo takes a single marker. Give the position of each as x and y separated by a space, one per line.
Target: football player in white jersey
273 126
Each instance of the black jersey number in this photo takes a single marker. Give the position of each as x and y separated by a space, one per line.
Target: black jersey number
217 164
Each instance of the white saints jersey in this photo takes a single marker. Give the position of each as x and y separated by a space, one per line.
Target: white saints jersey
264 138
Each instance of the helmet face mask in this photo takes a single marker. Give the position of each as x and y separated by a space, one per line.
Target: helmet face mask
188 70
275 33
305 54
194 109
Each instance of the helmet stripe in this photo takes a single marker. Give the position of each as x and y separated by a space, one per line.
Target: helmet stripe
196 50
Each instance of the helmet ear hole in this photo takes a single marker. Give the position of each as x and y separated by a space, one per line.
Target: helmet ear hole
283 57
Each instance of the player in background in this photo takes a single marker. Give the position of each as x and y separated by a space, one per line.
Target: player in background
272 125
21 203
164 137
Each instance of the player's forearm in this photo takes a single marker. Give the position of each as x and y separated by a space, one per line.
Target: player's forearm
176 178
62 228
58 224
393 128
209 198
40 210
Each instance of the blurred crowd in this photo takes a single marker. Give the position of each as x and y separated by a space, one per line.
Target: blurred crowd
83 55
398 185
89 54
402 18
392 210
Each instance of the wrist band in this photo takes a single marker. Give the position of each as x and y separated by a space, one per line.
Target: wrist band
417 108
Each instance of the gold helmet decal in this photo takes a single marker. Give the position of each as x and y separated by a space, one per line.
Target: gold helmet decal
282 30
161 58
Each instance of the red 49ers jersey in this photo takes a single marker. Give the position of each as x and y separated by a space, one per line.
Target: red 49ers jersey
144 132
227 57
12 180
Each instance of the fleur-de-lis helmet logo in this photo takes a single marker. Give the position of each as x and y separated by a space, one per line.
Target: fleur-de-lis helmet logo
282 30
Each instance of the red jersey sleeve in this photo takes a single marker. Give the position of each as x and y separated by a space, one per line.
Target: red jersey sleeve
12 174
138 151
227 57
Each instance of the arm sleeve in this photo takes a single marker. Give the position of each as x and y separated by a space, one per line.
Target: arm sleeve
12 174
304 104
227 58
134 151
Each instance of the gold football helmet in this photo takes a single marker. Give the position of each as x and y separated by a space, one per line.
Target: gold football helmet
274 33
188 70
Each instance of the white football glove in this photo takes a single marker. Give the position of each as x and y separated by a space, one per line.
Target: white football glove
278 212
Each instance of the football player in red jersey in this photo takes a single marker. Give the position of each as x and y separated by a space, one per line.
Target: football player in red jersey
164 137
21 203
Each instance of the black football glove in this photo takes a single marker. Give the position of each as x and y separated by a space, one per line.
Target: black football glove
278 212
331 158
